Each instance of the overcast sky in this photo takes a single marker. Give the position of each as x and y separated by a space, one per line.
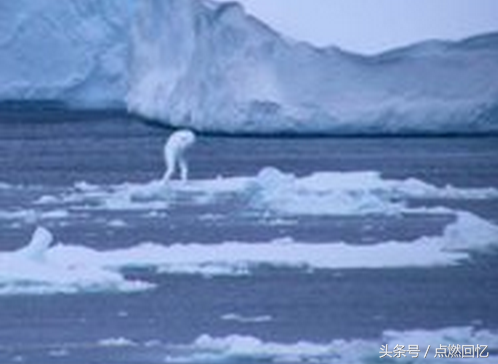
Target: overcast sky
371 26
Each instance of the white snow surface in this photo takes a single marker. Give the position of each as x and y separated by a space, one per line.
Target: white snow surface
209 349
270 191
31 270
238 348
212 67
43 268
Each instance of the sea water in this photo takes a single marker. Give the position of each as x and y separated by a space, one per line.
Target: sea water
277 250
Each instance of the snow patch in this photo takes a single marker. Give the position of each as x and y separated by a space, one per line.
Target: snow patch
209 349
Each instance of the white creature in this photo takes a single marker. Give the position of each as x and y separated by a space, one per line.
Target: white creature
38 246
174 153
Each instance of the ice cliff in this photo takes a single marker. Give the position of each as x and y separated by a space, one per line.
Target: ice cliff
212 67
74 51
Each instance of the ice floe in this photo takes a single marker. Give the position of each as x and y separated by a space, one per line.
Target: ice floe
31 270
246 319
209 349
272 191
43 268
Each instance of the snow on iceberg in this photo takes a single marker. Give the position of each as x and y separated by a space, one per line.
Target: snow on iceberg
212 67
44 269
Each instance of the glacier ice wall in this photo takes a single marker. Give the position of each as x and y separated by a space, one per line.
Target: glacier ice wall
212 67
74 51
215 68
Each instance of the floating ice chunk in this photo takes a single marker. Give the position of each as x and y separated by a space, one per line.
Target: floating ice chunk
40 243
350 193
246 319
33 216
40 268
247 346
471 233
237 348
232 258
282 194
4 186
57 353
117 223
32 270
116 342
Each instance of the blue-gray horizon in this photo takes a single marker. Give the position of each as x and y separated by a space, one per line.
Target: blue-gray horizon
374 27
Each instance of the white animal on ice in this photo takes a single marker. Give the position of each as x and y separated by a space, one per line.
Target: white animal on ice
38 246
174 153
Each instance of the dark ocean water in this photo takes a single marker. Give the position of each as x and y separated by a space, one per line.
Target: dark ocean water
47 154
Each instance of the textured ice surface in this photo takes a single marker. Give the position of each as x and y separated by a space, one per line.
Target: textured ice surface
212 67
216 68
41 268
31 270
69 51
209 349
236 348
322 193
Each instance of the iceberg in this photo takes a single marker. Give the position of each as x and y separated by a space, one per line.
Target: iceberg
212 67
73 52
215 68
